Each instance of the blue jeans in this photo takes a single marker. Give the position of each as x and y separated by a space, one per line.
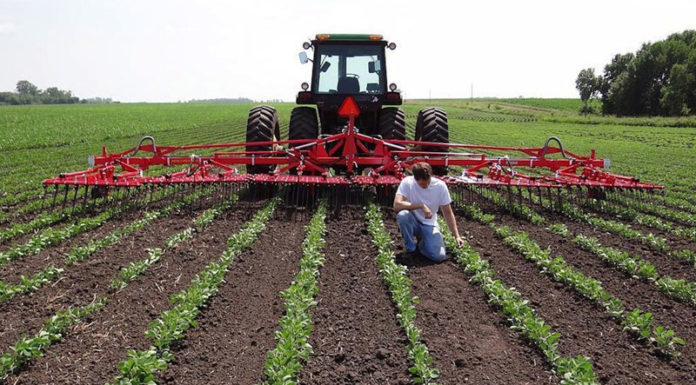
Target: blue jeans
430 242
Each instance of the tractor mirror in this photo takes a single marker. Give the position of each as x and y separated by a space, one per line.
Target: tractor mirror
325 66
303 57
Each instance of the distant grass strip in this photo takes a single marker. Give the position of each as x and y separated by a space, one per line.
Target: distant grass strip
285 361
394 275
141 366
522 318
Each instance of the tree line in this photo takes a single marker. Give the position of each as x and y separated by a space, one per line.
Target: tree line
659 79
28 93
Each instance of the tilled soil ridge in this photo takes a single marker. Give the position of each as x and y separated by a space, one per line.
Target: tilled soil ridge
236 329
467 338
356 338
92 353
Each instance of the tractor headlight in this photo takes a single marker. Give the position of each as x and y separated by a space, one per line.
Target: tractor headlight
306 45
305 86
392 87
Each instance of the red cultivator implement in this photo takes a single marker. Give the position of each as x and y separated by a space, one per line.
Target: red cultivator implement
362 143
347 158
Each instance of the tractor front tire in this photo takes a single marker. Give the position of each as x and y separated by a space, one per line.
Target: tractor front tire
262 126
432 126
303 124
392 124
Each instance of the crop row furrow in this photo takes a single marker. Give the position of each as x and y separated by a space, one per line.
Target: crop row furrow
633 215
35 350
639 268
135 269
522 318
396 279
682 217
51 236
48 219
285 361
575 213
141 366
673 202
636 321
15 198
55 328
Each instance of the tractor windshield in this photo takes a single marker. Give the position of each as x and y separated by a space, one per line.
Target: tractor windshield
349 69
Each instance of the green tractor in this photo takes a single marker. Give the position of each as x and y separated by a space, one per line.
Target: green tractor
346 65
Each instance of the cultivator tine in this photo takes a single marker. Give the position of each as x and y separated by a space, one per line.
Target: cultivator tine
125 196
55 195
151 188
65 197
74 199
559 199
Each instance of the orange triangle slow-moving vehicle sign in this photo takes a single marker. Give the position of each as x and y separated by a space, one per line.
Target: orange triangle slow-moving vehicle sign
348 108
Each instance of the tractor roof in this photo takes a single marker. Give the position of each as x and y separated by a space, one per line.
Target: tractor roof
348 37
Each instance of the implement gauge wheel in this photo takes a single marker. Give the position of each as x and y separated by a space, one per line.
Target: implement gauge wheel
262 126
432 126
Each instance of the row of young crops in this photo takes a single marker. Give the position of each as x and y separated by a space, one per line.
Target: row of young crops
575 292
285 360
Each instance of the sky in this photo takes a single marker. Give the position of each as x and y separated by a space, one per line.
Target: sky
168 51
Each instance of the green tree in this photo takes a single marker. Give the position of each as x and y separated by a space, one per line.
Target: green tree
675 95
657 80
24 87
588 85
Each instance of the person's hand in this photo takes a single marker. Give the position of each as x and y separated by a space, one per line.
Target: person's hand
460 241
427 212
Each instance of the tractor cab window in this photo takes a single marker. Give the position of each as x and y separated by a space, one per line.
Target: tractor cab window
349 69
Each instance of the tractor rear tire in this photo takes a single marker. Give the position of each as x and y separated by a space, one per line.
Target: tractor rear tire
432 126
262 126
303 124
392 124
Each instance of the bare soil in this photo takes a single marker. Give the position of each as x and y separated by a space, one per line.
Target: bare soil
356 338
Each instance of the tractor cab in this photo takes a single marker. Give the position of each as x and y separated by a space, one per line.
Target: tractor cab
345 66
348 65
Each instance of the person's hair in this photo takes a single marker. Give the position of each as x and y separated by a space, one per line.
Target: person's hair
422 171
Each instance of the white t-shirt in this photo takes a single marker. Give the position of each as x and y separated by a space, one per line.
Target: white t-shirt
434 196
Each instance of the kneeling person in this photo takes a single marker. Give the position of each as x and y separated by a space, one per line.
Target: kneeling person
417 201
